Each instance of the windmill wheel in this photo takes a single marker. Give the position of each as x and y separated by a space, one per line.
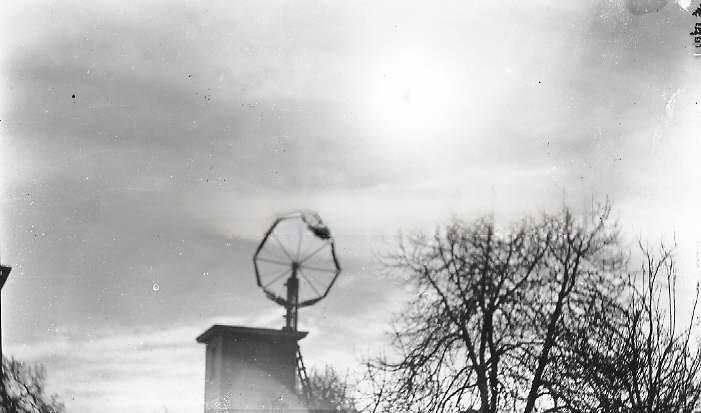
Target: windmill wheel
297 246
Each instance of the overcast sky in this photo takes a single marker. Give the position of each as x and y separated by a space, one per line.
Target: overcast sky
155 143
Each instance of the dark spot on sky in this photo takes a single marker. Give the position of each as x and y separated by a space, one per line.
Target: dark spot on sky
73 96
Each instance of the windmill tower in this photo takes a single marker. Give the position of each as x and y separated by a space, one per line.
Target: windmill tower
256 369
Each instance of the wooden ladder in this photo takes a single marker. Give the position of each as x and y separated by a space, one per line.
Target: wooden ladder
303 377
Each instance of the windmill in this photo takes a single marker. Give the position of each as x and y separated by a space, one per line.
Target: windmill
296 266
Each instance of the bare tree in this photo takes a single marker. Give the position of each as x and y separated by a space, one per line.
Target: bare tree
488 312
634 356
331 392
22 389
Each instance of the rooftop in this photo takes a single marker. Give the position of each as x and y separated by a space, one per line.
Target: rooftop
218 329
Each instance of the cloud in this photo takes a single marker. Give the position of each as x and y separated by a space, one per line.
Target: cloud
122 371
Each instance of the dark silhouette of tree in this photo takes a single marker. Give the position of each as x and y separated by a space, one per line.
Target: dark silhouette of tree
22 389
487 317
330 392
632 355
